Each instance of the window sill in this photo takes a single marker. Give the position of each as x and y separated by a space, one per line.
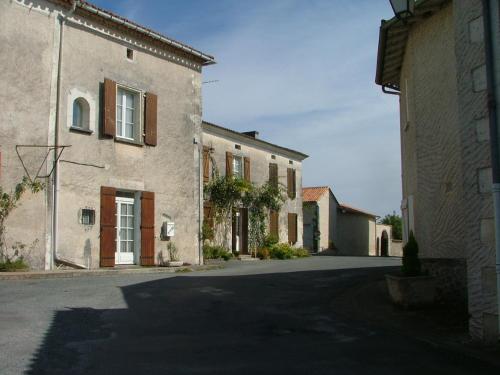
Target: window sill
128 141
80 130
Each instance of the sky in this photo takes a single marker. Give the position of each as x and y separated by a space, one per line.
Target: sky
302 74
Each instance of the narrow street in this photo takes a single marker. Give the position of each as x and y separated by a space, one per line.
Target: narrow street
250 318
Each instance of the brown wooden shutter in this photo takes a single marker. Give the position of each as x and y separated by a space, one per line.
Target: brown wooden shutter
274 223
292 228
150 119
273 174
109 125
147 228
108 227
294 184
206 164
246 162
244 230
229 164
291 183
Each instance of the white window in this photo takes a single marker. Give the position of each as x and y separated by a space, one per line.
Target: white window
125 230
128 108
238 166
81 111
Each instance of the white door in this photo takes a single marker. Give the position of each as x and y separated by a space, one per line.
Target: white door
125 231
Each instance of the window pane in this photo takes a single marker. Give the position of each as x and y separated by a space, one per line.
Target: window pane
123 221
123 246
130 100
123 234
129 117
129 131
131 234
130 223
119 113
77 114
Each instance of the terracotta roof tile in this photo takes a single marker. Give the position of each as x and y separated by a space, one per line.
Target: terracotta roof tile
354 210
313 194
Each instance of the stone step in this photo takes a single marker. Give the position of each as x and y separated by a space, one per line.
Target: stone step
247 258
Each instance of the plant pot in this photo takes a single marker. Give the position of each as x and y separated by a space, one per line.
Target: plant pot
411 291
175 263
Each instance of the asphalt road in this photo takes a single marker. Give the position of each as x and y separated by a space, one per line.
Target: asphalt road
274 317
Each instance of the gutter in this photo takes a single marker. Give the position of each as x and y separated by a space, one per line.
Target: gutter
492 51
55 177
208 60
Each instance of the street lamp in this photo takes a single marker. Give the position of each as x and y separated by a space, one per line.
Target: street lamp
403 8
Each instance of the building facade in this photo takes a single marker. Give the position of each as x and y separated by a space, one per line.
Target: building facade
246 156
445 148
356 232
320 218
125 102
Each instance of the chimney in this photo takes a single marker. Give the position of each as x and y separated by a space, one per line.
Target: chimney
253 134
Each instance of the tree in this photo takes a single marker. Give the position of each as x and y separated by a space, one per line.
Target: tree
397 224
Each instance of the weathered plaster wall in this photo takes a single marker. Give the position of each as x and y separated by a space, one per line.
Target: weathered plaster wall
260 159
431 159
356 234
26 60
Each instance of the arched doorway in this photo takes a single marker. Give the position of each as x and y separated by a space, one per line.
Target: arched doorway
384 246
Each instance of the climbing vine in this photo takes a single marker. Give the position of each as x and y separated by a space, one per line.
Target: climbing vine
9 201
259 200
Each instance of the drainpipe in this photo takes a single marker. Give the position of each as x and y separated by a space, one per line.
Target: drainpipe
55 175
491 40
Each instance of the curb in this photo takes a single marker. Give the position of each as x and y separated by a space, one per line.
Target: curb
58 274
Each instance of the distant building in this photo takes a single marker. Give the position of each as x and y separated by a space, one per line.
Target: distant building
246 156
320 218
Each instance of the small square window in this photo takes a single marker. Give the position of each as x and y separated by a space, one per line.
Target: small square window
238 147
273 157
130 54
88 216
290 162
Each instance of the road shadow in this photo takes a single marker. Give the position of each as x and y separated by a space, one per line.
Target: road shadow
281 323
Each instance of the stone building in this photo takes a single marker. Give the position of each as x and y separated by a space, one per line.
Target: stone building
320 218
247 156
126 103
435 61
356 232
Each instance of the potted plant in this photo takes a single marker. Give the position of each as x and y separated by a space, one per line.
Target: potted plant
173 256
412 288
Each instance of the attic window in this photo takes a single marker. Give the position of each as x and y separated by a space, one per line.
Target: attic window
130 54
238 147
273 157
290 162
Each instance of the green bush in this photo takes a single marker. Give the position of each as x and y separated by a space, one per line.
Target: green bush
13 265
300 252
216 252
263 253
411 263
281 251
270 240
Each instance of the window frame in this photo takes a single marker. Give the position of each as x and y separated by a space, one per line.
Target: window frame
137 129
242 166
